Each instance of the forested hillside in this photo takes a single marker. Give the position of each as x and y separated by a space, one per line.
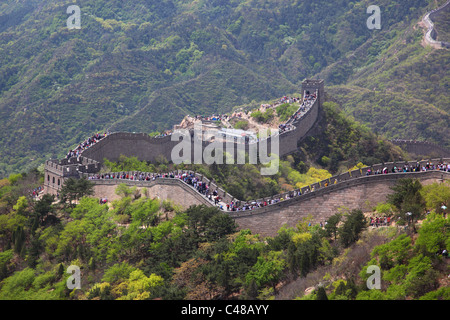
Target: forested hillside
142 65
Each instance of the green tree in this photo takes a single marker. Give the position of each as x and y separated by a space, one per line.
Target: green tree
352 227
33 253
251 290
394 252
118 272
19 237
219 226
331 227
437 195
286 110
42 208
75 189
268 270
261 117
433 234
140 287
21 206
206 223
408 200
421 277
242 125
125 191
17 286
5 258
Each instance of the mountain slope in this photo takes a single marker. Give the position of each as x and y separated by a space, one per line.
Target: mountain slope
133 59
396 85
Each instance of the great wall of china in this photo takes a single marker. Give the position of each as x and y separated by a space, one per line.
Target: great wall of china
431 33
354 189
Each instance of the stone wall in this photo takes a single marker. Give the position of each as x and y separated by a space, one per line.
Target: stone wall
361 193
147 148
138 145
422 148
164 189
57 171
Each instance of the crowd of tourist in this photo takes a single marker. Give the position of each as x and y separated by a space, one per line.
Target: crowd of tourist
288 99
412 168
213 196
380 221
191 179
307 103
142 176
251 205
406 168
284 127
86 144
164 134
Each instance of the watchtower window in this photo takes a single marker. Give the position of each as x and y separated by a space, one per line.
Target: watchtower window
48 178
59 182
53 179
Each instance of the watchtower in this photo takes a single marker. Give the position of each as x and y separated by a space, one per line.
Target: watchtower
310 86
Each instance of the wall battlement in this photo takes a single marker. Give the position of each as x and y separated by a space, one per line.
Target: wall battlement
422 148
355 190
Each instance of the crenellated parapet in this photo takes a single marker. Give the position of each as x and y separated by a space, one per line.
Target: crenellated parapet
377 172
422 148
57 171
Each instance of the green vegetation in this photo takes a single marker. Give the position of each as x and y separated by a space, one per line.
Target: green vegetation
241 124
411 268
412 264
263 117
242 181
140 248
408 200
344 143
286 110
75 189
395 85
442 25
141 66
